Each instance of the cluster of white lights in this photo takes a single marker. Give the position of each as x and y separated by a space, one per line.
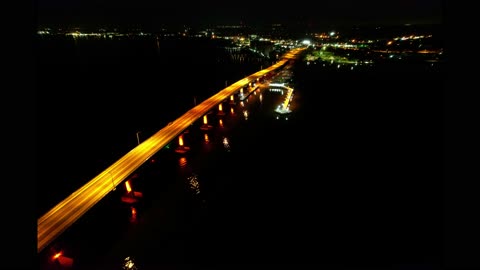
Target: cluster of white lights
129 264
226 143
194 185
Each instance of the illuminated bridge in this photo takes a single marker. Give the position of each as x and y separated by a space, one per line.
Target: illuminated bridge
64 214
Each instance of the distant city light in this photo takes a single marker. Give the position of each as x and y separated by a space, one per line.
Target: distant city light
306 42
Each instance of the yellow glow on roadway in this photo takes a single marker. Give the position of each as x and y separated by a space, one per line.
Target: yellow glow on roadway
64 214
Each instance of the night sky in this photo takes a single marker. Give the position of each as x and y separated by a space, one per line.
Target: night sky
249 12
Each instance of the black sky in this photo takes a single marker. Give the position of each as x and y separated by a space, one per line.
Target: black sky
249 12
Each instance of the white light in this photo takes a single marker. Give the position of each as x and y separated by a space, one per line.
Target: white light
306 42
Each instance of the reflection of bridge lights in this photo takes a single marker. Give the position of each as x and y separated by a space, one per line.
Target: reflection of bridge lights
133 218
232 111
245 114
242 104
129 264
226 143
261 97
182 162
220 122
205 137
194 184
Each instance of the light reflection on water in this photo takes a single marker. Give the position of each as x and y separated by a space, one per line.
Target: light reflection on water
133 217
245 114
182 162
226 143
129 264
194 184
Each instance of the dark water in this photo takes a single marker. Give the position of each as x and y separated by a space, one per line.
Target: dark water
353 178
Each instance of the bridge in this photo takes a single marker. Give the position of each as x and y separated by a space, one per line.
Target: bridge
64 214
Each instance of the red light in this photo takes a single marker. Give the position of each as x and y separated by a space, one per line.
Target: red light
56 256
133 218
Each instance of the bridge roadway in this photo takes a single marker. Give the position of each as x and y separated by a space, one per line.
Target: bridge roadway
64 214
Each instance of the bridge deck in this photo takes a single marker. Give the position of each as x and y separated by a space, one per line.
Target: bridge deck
63 215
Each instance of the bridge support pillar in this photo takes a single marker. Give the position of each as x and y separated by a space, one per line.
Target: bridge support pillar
205 125
181 147
220 109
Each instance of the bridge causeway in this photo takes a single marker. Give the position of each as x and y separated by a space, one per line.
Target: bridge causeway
54 222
